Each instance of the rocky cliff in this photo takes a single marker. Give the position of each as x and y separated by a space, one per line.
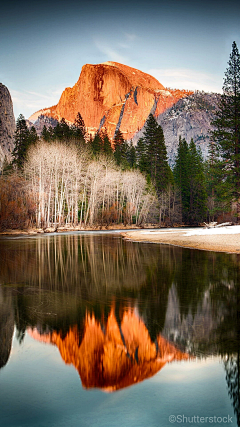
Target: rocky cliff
7 124
112 356
113 96
190 117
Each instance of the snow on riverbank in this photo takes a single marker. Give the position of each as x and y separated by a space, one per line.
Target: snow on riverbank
230 229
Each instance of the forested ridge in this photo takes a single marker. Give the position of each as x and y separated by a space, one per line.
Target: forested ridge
67 177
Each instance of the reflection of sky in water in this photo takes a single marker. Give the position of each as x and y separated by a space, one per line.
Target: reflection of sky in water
190 298
38 389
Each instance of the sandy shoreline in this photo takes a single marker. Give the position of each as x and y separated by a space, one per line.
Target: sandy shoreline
35 231
226 239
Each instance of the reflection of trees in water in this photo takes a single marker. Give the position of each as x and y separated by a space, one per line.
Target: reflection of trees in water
62 276
225 297
87 265
65 275
232 367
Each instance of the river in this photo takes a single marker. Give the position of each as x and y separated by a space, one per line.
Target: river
98 331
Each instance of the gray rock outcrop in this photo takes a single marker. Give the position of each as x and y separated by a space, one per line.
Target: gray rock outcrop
41 122
190 117
7 125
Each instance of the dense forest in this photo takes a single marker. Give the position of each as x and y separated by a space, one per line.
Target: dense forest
67 177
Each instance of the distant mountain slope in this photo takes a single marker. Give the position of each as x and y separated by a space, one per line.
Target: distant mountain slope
7 124
190 117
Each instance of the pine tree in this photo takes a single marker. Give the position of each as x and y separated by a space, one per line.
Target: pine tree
62 131
219 199
197 186
23 139
107 147
45 134
142 157
181 176
33 136
79 128
190 179
156 155
120 150
131 155
96 144
226 136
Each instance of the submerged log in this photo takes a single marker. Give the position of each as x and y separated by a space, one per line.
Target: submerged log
210 224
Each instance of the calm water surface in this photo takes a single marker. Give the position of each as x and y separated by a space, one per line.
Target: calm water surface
97 331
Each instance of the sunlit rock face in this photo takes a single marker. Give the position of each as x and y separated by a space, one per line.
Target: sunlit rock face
113 355
113 96
7 124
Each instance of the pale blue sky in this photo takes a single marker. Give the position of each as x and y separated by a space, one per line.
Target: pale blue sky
185 44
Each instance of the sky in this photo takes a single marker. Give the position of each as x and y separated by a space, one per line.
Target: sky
44 44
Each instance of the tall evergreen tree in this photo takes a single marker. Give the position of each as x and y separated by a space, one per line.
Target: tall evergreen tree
142 156
62 131
79 126
181 176
23 139
156 154
219 195
197 186
120 150
189 178
226 135
96 144
33 136
107 147
45 134
131 155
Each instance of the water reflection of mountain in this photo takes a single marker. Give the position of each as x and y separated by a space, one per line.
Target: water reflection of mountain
184 294
112 355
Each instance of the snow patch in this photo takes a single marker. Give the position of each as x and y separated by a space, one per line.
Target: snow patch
230 229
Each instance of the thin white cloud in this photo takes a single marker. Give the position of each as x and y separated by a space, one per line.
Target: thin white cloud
39 95
111 54
188 79
28 102
124 45
130 36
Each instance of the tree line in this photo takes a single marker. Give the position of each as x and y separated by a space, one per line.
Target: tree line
223 168
70 177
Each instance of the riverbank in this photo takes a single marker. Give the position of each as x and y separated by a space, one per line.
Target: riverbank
225 239
33 231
